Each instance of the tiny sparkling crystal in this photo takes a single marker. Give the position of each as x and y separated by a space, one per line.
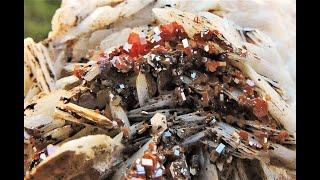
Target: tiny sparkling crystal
146 162
158 173
193 75
138 161
158 58
176 152
153 56
220 148
206 48
193 171
42 156
156 30
143 39
213 121
221 97
121 86
185 43
167 134
183 96
114 124
156 38
140 169
127 47
250 82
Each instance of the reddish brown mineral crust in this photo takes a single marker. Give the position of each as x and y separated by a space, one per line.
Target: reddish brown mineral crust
126 131
137 47
212 65
238 74
78 71
243 135
260 107
172 32
149 166
282 135
169 32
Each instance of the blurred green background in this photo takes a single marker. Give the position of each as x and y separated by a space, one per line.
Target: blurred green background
37 17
